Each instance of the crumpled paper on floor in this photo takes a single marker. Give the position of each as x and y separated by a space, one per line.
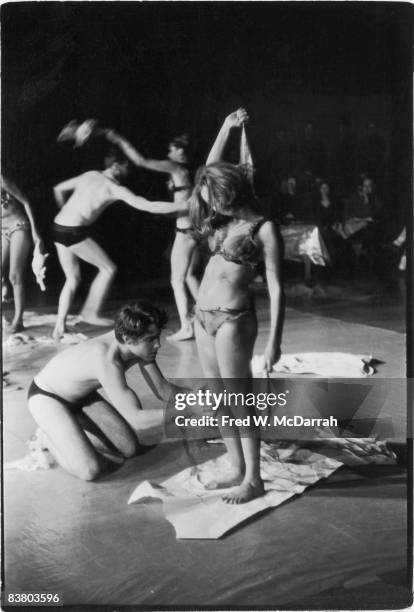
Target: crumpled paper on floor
39 458
286 468
66 338
35 319
335 365
20 339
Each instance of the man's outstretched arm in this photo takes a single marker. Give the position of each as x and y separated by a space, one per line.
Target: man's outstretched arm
113 382
159 385
139 203
159 165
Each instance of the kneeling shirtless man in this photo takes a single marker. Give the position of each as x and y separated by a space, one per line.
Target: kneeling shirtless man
64 398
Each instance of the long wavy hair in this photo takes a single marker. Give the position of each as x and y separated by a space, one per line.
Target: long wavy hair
228 188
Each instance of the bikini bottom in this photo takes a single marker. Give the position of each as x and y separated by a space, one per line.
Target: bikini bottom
22 225
212 320
69 235
188 231
90 398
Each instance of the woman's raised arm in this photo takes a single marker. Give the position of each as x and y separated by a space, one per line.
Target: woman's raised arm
235 119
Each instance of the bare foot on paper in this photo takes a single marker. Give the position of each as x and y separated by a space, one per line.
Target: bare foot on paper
229 478
244 493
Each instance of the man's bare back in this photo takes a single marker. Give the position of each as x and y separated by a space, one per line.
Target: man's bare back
92 193
77 371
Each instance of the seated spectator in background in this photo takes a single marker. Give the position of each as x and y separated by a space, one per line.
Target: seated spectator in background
324 211
364 203
326 214
361 216
291 204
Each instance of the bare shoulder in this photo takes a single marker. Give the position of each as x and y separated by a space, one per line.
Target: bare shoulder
268 230
93 176
103 357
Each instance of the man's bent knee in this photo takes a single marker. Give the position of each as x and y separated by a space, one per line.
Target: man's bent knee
89 472
130 447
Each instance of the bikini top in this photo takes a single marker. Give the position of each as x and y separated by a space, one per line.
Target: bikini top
6 198
173 188
239 247
180 188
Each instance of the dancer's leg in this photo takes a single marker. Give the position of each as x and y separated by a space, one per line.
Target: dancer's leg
234 345
191 278
71 268
180 261
5 259
20 244
206 346
65 438
92 253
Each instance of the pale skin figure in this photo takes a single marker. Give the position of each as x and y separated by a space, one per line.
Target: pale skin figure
227 353
19 234
65 397
184 254
81 200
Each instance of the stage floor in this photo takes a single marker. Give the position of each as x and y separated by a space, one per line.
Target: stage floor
328 547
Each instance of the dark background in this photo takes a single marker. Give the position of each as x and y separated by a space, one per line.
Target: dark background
155 69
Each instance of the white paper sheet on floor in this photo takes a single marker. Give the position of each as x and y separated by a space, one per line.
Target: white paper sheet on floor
20 339
286 468
330 364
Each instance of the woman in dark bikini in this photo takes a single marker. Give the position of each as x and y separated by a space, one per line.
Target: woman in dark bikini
184 254
18 231
226 324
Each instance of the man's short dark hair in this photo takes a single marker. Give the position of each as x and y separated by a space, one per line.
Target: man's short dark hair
114 155
133 320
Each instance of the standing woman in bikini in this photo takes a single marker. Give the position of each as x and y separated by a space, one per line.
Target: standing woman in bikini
184 254
226 323
18 232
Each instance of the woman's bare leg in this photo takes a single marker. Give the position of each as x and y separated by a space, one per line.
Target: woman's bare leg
5 260
71 268
180 262
92 253
234 345
65 438
206 346
191 279
20 245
